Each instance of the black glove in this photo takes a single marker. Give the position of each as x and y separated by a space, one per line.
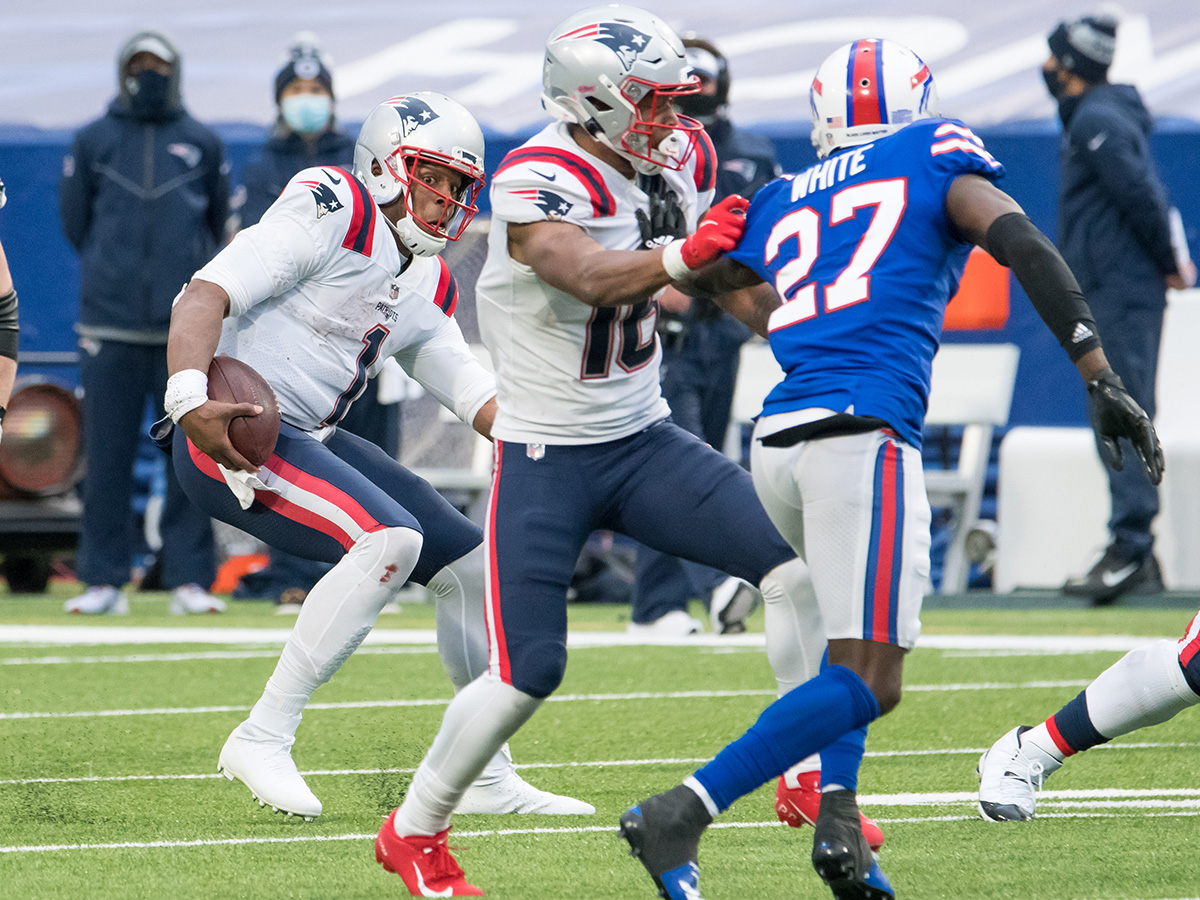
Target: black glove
1114 415
666 220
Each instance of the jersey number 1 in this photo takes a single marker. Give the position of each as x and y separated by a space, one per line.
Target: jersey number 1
853 285
372 344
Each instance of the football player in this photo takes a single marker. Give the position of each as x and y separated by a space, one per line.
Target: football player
1146 686
590 218
341 273
864 250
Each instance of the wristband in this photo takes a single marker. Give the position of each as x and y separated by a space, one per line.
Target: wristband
672 260
186 390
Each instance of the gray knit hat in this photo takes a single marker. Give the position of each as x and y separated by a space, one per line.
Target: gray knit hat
1085 46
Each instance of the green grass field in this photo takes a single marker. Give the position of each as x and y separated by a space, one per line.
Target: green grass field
108 753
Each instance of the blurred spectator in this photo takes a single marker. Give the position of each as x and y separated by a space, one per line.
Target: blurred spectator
700 345
9 328
1113 232
143 199
305 134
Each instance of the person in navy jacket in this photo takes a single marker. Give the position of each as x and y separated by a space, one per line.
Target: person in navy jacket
143 200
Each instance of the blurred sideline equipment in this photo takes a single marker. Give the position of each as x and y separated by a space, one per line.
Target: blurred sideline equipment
1052 502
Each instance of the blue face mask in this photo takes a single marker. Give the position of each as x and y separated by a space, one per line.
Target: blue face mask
306 113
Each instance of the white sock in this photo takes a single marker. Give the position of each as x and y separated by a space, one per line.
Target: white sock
480 718
795 633
337 615
1037 745
458 590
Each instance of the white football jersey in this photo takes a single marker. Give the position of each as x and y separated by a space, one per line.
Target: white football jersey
567 372
320 296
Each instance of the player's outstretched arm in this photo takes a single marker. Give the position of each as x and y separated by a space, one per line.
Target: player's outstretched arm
191 343
565 257
991 219
738 290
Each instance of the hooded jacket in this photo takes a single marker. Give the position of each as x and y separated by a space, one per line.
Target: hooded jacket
285 154
143 200
1113 229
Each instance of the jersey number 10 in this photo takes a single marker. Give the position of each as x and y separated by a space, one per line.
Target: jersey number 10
853 284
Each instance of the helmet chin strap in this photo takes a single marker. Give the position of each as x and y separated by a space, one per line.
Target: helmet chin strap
416 239
671 146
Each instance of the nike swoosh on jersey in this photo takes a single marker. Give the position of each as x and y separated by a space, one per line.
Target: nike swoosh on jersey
550 177
1094 143
1112 579
331 178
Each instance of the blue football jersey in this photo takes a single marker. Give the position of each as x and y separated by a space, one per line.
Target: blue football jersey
860 249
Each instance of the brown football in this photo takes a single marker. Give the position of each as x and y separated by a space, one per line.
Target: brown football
232 381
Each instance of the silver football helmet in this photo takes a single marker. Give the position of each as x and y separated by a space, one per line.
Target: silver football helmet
405 131
601 65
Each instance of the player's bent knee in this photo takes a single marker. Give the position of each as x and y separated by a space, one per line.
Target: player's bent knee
391 551
539 669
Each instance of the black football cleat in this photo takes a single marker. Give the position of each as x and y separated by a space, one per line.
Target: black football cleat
1118 572
664 834
841 854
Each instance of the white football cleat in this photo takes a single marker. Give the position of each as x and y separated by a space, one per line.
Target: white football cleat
1008 779
675 624
500 791
266 767
99 600
732 602
191 598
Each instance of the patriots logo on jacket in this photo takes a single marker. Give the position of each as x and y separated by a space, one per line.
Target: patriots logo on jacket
413 113
624 40
327 201
554 206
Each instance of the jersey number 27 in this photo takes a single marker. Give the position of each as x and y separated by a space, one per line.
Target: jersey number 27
853 284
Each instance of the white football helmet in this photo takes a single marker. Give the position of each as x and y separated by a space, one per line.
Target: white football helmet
423 127
601 63
866 90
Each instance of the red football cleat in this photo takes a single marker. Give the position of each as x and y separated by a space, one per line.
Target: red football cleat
423 863
798 798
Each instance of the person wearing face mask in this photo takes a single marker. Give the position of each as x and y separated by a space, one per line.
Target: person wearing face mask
305 134
1113 232
143 199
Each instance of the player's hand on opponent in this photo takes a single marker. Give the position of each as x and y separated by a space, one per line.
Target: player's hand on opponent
717 233
207 427
1114 415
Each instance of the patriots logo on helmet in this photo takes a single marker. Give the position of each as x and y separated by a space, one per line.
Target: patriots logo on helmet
327 201
624 40
554 206
413 113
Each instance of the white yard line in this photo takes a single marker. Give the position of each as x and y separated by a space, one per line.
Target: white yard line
557 698
99 634
272 653
498 832
1097 794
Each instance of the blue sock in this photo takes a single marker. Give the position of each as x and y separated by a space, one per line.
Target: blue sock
1075 725
798 724
840 761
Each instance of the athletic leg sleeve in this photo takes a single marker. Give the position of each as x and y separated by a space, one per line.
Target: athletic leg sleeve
1144 687
462 635
799 723
337 615
461 621
795 635
480 718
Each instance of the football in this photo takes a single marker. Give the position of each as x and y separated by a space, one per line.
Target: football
232 381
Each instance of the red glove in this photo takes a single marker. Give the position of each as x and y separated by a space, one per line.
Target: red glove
718 232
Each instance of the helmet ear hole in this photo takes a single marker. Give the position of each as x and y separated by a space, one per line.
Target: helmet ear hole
598 105
376 168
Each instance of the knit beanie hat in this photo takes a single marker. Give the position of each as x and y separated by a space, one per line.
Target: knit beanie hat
1085 47
304 60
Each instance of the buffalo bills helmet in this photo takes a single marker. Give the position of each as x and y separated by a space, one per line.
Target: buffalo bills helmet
866 90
